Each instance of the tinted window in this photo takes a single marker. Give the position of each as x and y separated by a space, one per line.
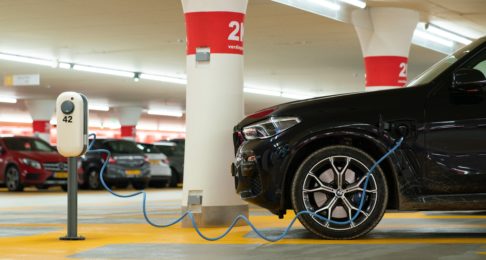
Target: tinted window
123 147
148 148
167 149
27 144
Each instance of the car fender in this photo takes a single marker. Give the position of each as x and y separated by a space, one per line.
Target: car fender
355 131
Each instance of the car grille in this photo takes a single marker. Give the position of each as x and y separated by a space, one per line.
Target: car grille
55 167
256 185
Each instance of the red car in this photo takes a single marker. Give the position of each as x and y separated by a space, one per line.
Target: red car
29 161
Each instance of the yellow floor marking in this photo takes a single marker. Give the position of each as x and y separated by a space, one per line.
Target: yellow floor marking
98 235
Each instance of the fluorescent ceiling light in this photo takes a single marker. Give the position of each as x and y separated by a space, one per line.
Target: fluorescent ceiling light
263 92
276 93
98 107
64 65
163 112
30 60
433 38
446 34
357 3
104 71
295 95
10 100
327 4
168 79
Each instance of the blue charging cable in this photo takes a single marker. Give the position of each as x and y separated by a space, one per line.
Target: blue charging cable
240 217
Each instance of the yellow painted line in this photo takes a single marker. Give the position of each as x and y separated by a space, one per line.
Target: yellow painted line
47 245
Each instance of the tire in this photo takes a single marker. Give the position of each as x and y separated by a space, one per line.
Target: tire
42 187
158 184
341 196
139 185
93 180
122 184
64 188
174 179
12 179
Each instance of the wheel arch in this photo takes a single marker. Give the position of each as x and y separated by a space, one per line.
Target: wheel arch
358 139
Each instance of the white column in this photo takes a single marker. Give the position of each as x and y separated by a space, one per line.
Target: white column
214 104
41 112
129 117
385 35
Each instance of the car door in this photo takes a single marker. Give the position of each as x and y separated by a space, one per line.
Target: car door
456 136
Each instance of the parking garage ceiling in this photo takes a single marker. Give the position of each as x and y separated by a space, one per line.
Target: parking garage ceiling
286 49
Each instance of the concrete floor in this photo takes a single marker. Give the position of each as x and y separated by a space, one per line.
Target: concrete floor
32 221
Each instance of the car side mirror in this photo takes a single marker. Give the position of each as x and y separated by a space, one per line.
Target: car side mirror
468 80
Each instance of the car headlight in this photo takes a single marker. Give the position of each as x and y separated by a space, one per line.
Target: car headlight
32 163
269 127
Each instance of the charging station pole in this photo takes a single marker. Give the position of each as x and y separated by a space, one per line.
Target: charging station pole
72 218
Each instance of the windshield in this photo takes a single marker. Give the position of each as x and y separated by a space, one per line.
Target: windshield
148 148
27 145
441 66
123 147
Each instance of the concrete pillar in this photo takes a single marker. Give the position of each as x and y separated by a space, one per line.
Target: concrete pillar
385 35
129 117
214 104
41 112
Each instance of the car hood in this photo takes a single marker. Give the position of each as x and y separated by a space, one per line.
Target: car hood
42 157
336 104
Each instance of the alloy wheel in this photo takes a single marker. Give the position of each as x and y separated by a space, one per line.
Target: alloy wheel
333 189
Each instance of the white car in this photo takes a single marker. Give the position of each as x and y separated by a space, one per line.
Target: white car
160 172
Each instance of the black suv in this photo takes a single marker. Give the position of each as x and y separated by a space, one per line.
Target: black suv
127 164
313 154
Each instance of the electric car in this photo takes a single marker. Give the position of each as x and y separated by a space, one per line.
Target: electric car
160 172
127 164
30 161
313 155
174 149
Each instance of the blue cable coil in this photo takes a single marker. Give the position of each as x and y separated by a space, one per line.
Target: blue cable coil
240 217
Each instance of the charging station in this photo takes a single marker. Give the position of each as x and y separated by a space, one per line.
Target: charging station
72 142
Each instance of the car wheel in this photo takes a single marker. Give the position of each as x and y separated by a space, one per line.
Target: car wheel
64 187
174 179
158 184
139 185
42 187
330 183
94 182
12 179
122 184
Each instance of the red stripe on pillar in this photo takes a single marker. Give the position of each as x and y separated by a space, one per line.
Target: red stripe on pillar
222 32
128 131
386 71
41 126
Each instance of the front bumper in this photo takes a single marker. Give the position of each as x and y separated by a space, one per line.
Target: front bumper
258 172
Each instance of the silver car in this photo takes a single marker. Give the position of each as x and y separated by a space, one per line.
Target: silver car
159 165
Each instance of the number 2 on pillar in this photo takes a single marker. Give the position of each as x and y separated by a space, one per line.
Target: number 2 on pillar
403 70
238 28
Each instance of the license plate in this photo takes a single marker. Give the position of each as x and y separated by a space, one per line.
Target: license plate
133 172
154 162
61 175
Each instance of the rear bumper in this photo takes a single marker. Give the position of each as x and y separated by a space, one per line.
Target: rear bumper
116 173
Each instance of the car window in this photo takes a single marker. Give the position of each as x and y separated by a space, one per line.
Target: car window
123 147
167 150
441 66
27 144
481 67
148 148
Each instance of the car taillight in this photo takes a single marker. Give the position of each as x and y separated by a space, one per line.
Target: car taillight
145 158
166 161
112 160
